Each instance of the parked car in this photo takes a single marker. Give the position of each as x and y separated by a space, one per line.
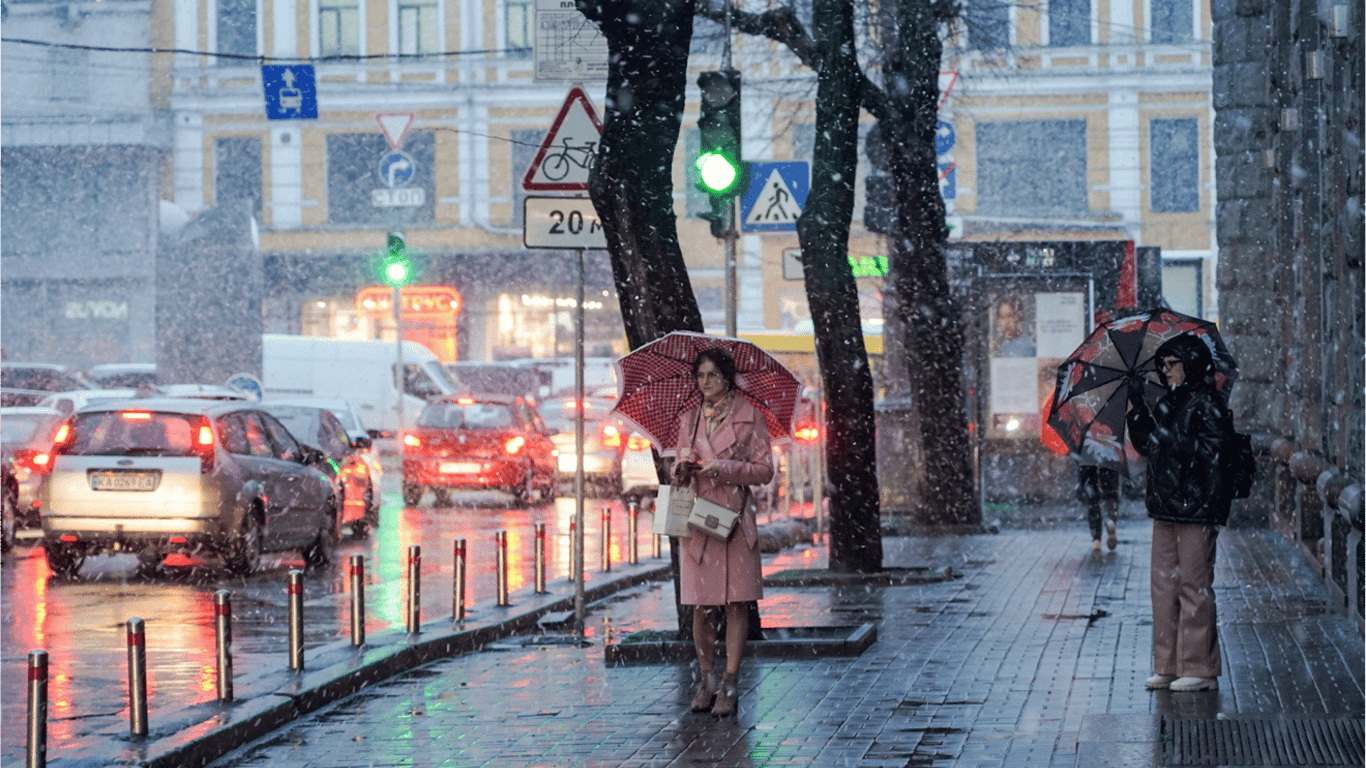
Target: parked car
25 458
605 440
158 476
27 383
477 442
352 460
123 375
68 402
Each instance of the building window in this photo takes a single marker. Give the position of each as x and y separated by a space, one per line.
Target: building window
520 14
1069 23
69 74
988 24
236 31
237 171
339 27
417 27
1173 21
354 163
1032 168
1174 171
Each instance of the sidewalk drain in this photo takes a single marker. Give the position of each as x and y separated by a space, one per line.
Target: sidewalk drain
1292 741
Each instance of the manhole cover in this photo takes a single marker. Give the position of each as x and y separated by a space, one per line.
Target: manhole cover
1316 741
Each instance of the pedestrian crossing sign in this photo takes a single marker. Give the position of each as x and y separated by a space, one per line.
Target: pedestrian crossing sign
777 192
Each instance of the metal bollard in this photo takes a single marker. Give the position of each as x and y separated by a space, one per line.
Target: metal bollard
633 529
295 591
414 589
540 559
137 677
222 624
606 539
501 544
358 600
656 545
37 709
458 583
573 552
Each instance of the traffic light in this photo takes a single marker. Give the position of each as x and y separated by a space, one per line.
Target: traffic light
397 270
720 170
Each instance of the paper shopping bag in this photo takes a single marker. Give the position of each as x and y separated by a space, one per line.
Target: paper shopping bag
712 519
672 505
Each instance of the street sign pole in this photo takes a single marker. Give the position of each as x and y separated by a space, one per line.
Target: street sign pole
578 451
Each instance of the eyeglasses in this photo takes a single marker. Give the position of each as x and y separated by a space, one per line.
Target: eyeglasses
708 375
1170 362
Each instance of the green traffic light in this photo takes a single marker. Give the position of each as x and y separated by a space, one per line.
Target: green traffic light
717 172
397 272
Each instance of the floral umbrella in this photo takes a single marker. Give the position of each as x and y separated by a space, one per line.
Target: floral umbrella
656 384
1091 397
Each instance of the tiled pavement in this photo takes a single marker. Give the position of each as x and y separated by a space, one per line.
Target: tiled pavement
1035 656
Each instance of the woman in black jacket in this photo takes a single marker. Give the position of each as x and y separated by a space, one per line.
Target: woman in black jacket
1182 437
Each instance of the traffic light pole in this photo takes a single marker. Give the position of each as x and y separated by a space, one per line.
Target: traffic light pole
401 371
731 303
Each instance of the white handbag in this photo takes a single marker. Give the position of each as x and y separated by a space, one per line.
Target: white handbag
712 519
673 504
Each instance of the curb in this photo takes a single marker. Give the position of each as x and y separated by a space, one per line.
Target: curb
193 736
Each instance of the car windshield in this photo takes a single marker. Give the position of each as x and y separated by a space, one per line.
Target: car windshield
17 429
301 422
466 416
131 433
560 413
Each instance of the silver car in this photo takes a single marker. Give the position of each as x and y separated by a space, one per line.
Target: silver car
158 476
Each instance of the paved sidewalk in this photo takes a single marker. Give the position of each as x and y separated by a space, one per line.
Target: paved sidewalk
1035 656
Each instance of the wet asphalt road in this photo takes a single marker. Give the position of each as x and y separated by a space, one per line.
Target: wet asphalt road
81 623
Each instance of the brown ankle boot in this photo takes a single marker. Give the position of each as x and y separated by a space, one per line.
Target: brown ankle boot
727 697
706 691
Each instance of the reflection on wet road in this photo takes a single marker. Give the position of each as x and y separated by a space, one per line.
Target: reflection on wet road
81 623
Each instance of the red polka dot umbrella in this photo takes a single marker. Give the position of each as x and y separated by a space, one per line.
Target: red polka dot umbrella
656 384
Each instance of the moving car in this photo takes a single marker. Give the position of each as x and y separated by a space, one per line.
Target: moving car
498 378
25 445
27 383
605 440
67 402
481 441
122 375
352 460
158 476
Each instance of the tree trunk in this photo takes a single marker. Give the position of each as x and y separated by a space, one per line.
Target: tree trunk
920 302
832 295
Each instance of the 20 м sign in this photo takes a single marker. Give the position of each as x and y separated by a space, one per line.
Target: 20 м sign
561 222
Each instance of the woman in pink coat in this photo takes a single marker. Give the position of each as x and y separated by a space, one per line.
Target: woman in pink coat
722 450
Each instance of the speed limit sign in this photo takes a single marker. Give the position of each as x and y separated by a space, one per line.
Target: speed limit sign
561 222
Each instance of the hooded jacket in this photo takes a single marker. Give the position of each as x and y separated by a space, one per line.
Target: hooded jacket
1182 437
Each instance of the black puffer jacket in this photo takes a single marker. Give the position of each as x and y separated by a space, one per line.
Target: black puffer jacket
1182 437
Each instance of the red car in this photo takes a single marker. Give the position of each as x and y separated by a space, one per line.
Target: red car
478 442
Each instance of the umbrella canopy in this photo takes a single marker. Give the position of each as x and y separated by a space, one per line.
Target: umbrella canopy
1091 397
656 384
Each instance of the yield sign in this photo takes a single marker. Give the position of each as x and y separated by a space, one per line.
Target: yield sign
395 127
566 156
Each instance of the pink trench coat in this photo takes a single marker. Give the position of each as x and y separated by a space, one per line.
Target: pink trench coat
715 572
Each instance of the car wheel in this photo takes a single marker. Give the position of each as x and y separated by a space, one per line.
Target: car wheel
243 556
443 496
526 492
9 518
412 495
323 550
551 491
63 560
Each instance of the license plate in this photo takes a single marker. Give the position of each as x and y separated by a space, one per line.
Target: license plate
124 481
459 467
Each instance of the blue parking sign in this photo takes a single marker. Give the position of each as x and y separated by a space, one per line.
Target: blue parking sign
291 91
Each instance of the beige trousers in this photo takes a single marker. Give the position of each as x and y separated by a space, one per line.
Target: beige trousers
1185 637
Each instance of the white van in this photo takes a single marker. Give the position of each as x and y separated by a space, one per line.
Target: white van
360 372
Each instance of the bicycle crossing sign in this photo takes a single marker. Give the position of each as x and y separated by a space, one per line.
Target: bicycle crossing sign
566 156
777 192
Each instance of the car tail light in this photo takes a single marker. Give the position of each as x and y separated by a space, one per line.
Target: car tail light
465 400
203 446
807 434
412 441
515 444
28 461
62 437
136 415
637 443
611 436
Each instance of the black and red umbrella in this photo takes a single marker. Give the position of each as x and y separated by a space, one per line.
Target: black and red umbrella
1091 397
656 384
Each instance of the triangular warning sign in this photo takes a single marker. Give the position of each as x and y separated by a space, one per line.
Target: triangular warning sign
567 154
395 127
775 204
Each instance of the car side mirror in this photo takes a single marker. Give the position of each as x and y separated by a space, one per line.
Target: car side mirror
363 443
310 456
